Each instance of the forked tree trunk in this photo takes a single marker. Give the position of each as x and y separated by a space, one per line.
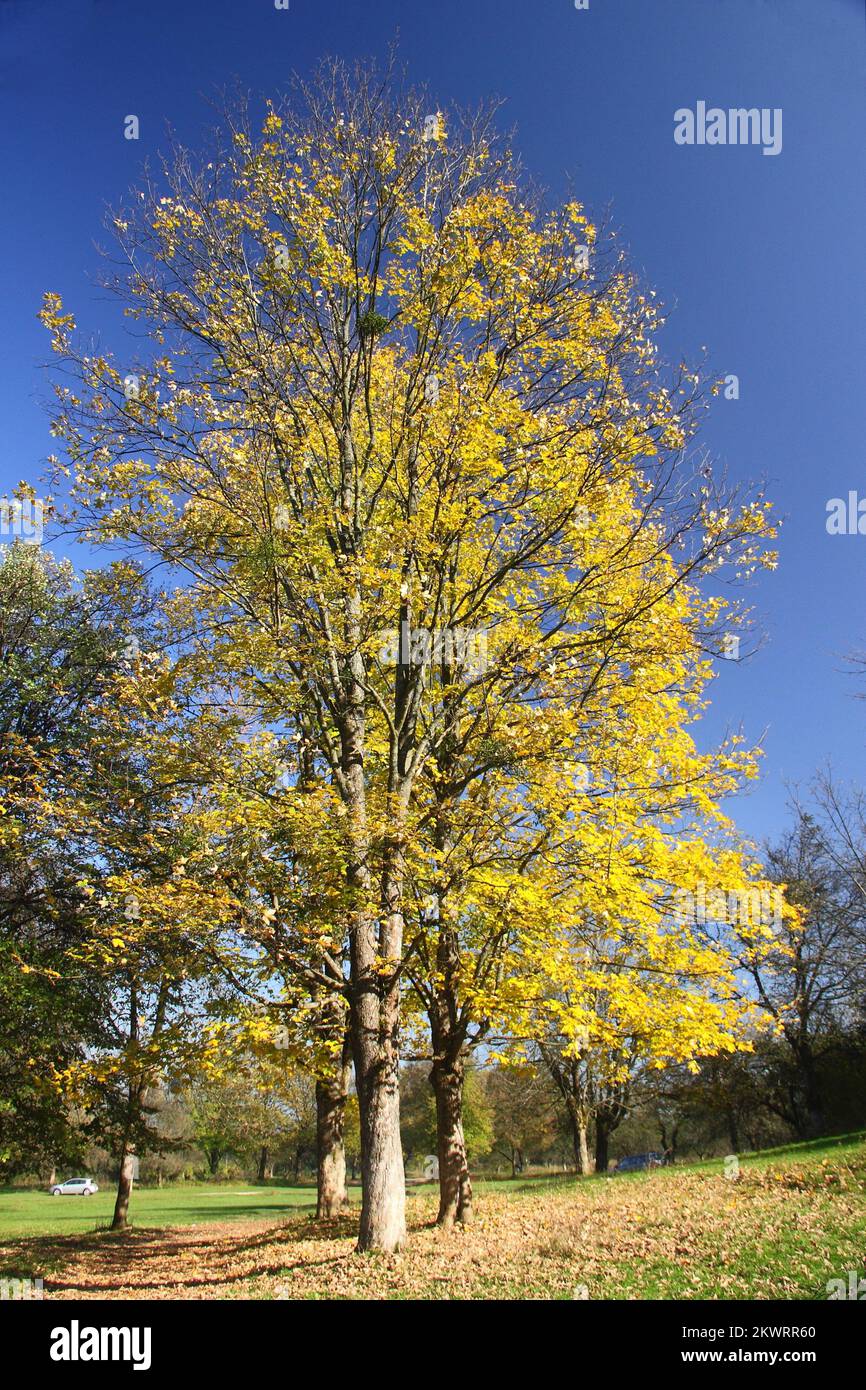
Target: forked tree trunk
374 996
331 1095
570 1076
455 1185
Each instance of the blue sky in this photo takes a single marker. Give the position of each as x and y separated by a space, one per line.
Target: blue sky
760 259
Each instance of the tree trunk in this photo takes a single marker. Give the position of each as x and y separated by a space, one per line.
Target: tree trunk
383 1183
134 1093
601 1147
375 953
375 1017
263 1163
52 1177
124 1188
455 1185
570 1075
667 1148
581 1145
331 1096
213 1161
672 1147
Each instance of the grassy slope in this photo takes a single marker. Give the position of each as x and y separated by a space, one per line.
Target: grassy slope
795 1218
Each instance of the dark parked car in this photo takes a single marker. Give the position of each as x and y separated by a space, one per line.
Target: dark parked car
635 1163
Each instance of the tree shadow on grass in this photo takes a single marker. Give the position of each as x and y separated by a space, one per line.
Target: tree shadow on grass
204 1216
183 1252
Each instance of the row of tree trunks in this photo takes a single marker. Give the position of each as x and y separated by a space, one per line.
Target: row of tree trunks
455 1185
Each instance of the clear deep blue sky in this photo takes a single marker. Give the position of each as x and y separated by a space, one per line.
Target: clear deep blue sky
761 259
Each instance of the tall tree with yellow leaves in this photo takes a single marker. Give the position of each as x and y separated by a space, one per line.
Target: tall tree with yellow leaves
391 405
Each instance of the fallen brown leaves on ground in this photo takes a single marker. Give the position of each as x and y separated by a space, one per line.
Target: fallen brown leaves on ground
675 1234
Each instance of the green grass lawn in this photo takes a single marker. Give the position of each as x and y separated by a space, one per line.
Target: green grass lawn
38 1213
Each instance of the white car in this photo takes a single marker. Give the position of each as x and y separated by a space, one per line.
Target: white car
75 1187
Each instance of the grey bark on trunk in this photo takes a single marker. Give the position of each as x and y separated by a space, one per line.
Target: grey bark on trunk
383 1205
